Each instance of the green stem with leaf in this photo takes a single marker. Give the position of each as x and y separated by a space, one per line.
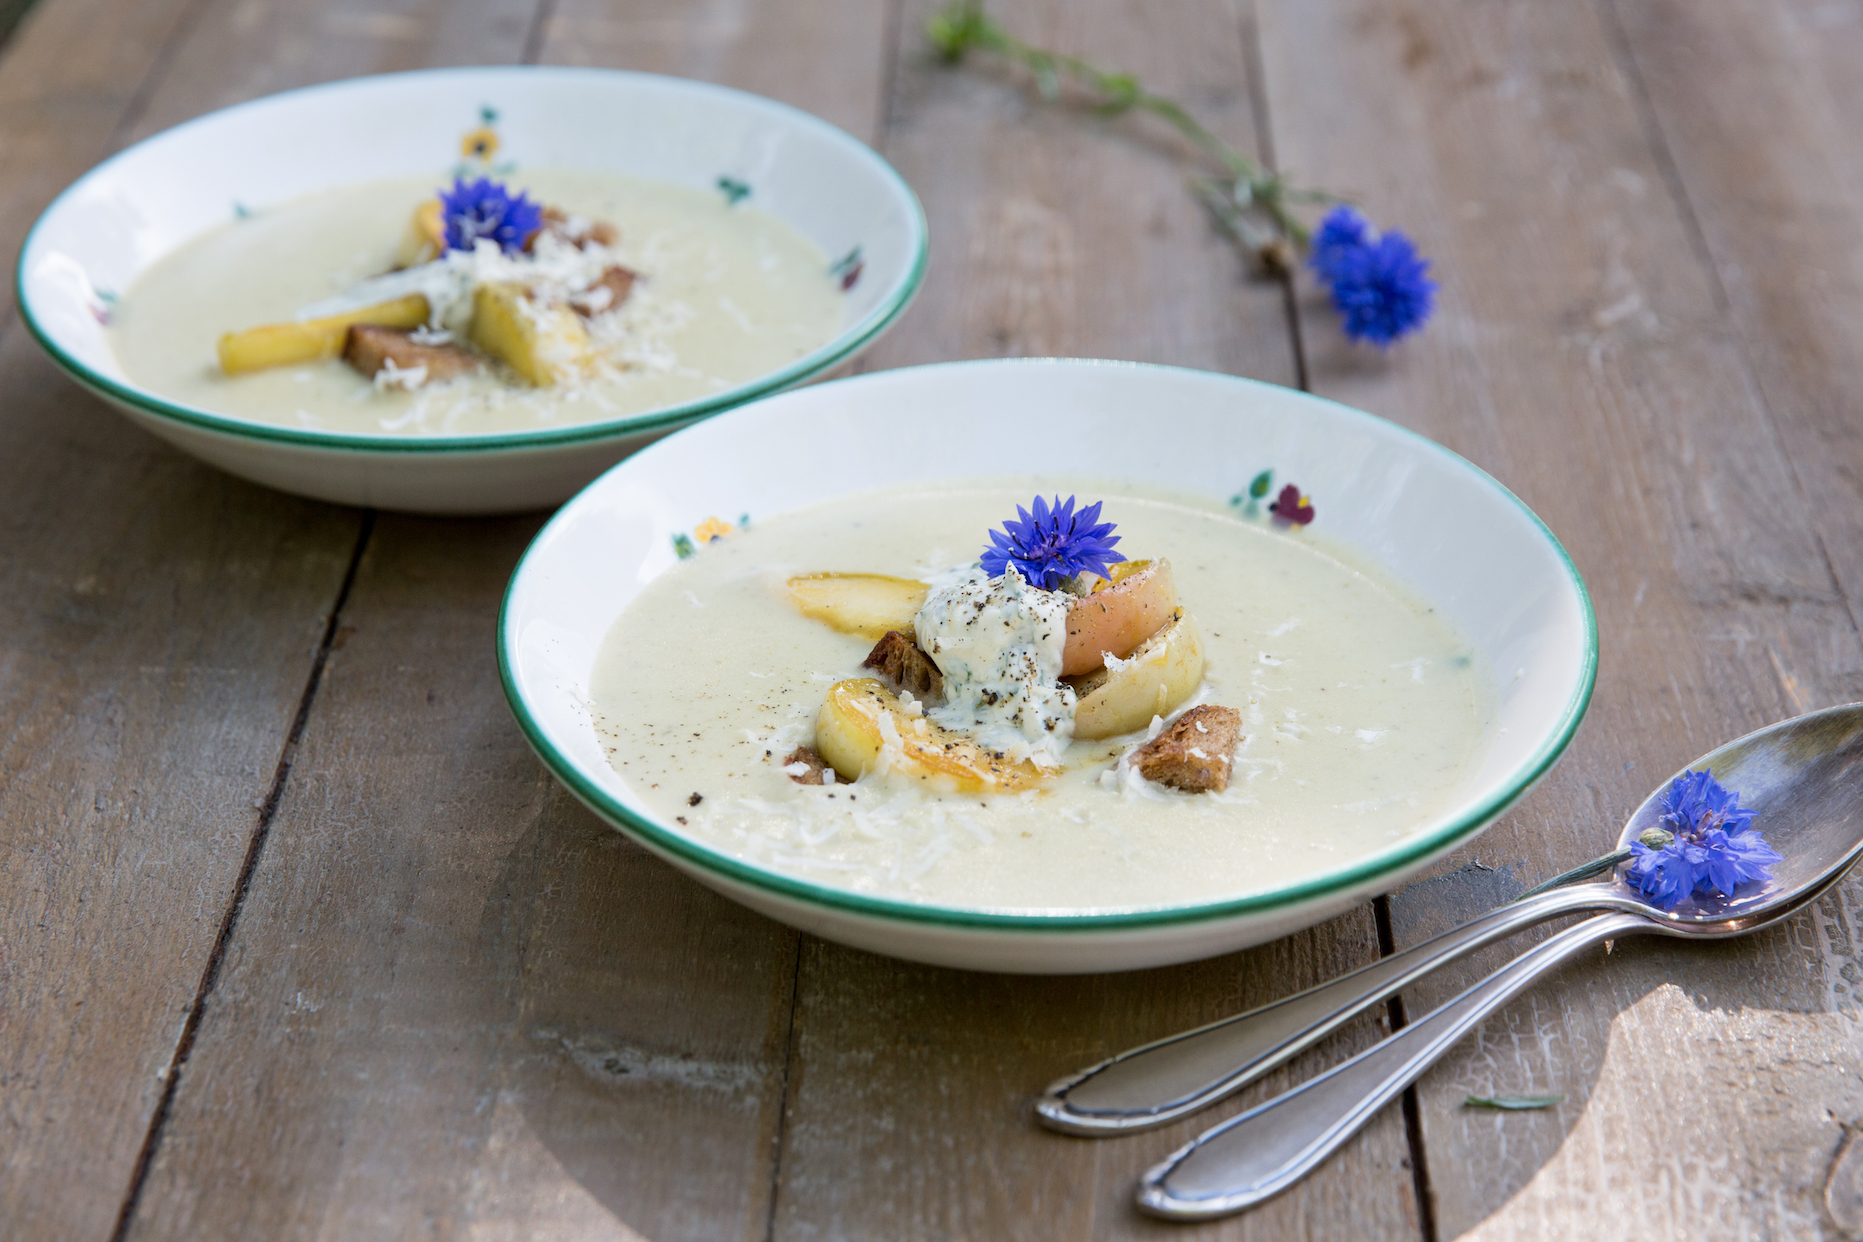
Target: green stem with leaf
1251 201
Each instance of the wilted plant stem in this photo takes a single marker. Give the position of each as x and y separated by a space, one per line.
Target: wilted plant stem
1251 201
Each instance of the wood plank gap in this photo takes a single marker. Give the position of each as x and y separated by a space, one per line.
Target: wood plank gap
889 70
158 72
229 921
1413 1116
539 30
1664 157
12 13
1250 34
782 1094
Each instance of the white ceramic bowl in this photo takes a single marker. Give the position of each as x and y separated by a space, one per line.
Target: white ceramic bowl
1429 517
123 215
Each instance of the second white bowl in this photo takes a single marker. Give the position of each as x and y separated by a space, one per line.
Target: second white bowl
108 227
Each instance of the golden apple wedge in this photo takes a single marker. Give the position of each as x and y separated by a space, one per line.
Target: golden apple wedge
865 604
1164 671
861 718
311 340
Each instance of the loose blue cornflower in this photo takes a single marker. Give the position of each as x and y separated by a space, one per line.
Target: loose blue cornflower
1050 546
1380 285
486 209
1341 231
1711 849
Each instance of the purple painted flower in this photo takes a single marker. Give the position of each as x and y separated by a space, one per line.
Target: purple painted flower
1711 846
1051 545
486 209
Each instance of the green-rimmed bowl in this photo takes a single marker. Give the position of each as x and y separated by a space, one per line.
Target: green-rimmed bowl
1431 519
128 212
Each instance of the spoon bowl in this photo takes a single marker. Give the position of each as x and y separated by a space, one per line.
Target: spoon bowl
1803 779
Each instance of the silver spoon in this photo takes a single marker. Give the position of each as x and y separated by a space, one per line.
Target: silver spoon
1803 779
1789 771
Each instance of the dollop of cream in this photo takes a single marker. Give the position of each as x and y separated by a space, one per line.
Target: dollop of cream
998 642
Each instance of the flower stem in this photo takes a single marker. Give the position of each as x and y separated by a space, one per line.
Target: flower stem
1245 189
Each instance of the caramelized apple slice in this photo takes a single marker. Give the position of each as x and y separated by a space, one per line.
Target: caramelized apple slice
311 340
425 238
1122 612
861 718
865 604
544 344
1163 672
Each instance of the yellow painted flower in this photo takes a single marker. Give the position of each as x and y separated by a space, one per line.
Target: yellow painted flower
711 528
480 144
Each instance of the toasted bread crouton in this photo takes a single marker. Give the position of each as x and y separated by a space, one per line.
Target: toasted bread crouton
369 347
898 658
1196 753
579 231
808 758
605 294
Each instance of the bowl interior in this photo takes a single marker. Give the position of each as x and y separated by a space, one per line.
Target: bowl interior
102 232
1426 515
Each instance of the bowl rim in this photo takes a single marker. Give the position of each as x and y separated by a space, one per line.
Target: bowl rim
844 344
1370 867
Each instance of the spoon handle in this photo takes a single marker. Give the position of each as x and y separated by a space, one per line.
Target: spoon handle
1157 1083
1262 1152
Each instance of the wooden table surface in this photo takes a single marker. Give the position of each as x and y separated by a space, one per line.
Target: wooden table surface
297 939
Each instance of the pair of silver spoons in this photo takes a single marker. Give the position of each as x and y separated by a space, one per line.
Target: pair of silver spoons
1804 779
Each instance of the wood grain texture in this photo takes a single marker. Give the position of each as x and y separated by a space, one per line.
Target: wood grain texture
66 96
1058 233
1583 355
908 1113
457 1005
157 623
824 58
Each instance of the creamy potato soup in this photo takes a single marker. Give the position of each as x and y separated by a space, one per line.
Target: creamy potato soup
713 295
1361 713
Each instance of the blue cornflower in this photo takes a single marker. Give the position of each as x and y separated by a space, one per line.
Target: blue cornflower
1379 284
1052 545
1342 230
1711 848
485 208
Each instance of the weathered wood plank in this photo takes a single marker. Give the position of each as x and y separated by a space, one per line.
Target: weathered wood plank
818 57
157 623
1056 233
1582 355
66 94
1756 102
237 50
456 1004
908 1107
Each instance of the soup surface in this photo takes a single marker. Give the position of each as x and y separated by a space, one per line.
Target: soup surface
726 294
1364 712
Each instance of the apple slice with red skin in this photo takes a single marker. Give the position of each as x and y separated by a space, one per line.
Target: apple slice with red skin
1122 612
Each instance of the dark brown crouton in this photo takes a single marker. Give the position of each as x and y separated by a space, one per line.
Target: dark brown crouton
810 758
605 294
1195 753
578 231
369 347
898 657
